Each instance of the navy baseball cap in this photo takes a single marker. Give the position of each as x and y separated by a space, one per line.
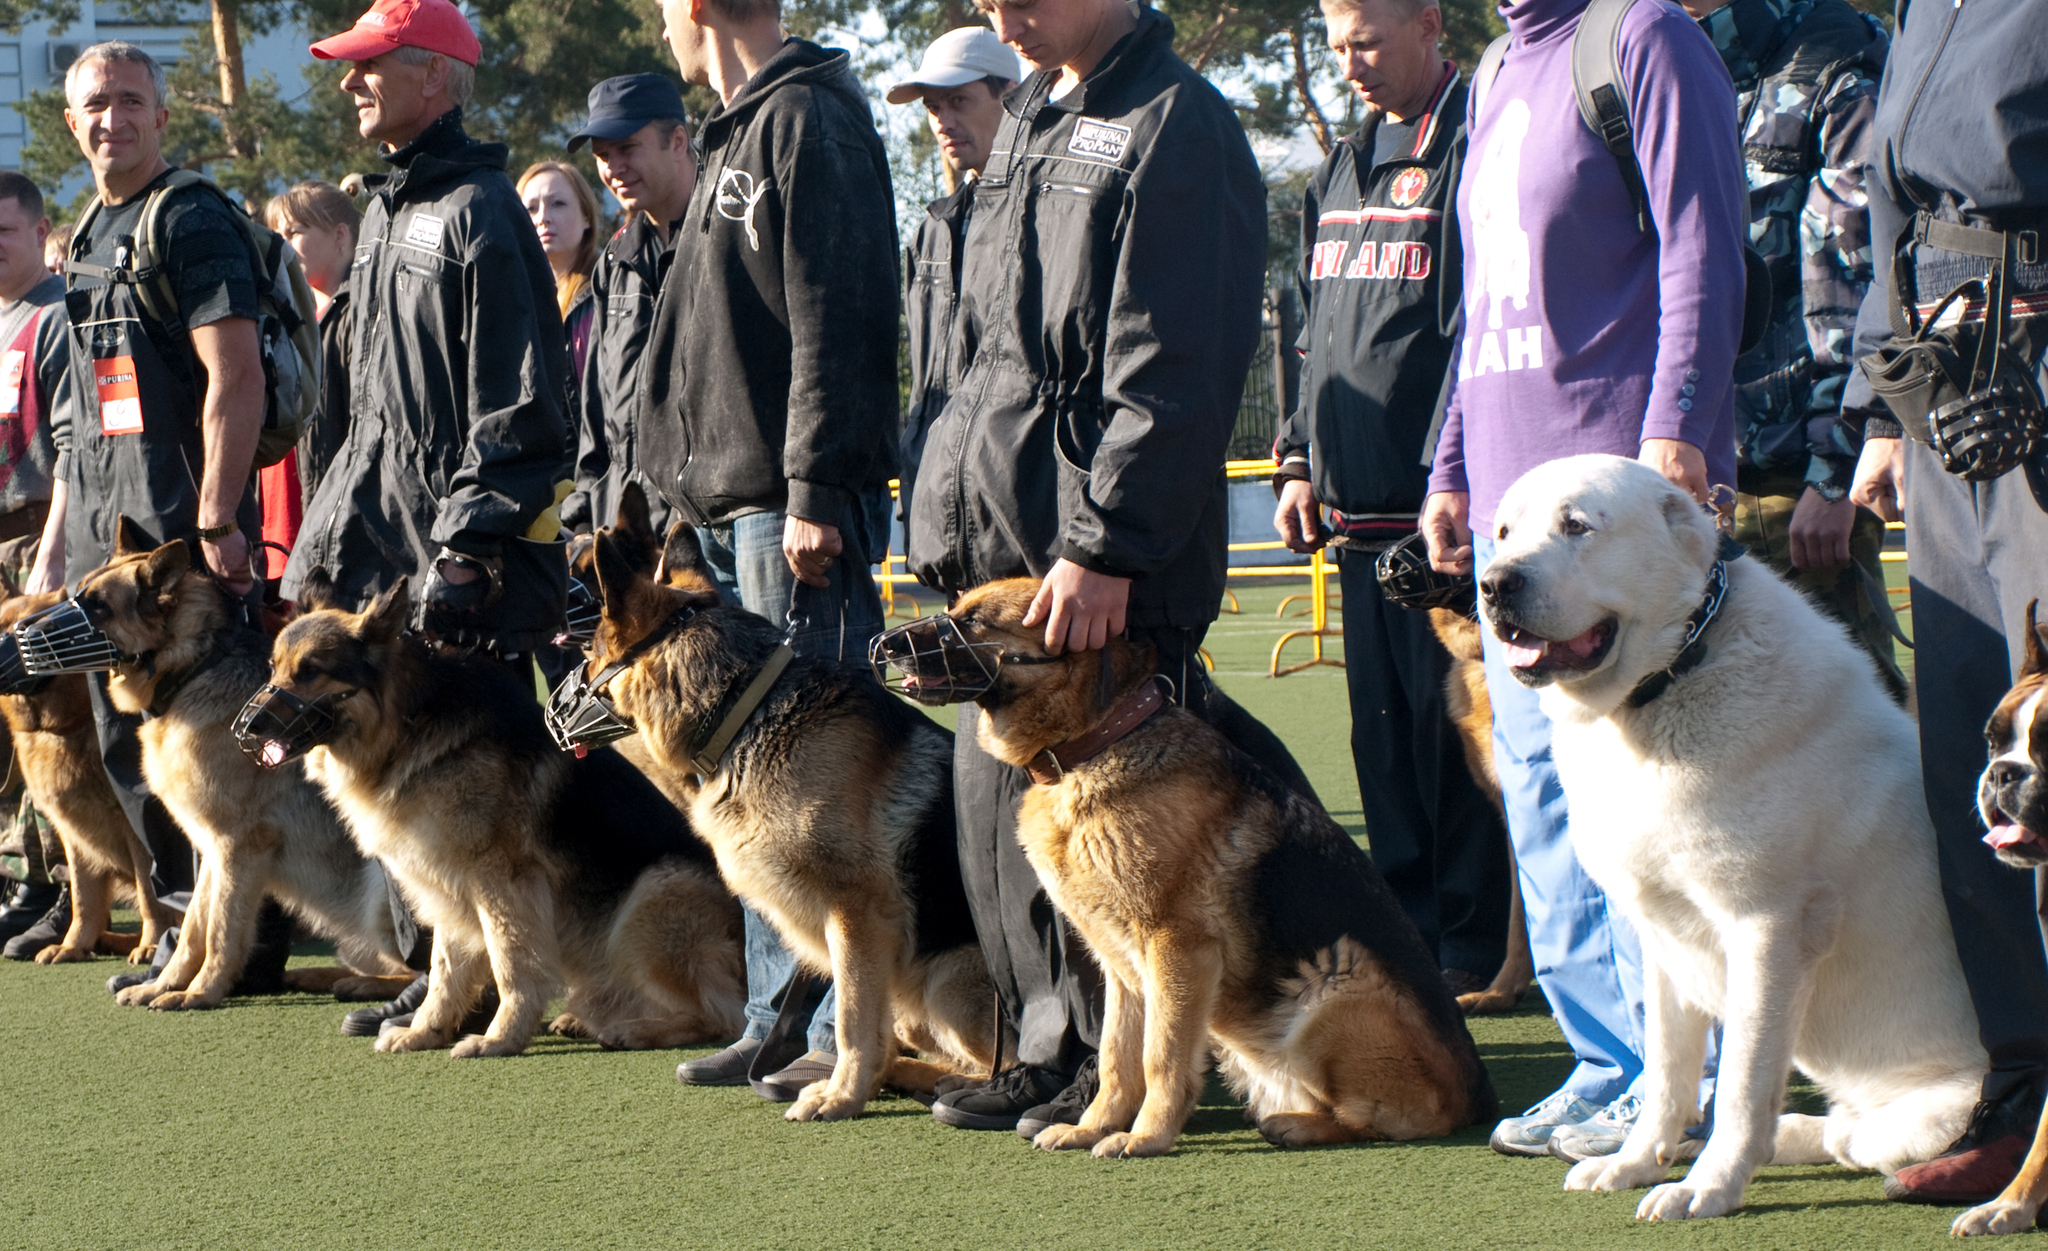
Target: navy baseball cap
622 106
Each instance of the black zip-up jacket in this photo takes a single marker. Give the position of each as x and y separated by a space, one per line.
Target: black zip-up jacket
771 382
458 383
931 295
623 288
1962 124
1109 308
1376 241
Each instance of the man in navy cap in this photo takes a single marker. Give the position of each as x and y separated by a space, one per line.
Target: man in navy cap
638 133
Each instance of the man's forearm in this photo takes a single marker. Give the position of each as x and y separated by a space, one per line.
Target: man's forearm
231 417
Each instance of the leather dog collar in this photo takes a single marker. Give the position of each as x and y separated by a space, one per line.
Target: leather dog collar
1055 762
1695 649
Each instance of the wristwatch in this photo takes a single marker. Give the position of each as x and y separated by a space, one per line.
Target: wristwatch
208 534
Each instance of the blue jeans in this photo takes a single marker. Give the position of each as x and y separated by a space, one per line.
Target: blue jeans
1588 961
745 558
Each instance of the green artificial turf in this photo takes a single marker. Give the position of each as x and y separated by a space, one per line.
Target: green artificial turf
258 1126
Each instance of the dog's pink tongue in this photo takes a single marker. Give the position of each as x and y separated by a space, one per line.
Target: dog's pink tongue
1524 650
2007 834
273 754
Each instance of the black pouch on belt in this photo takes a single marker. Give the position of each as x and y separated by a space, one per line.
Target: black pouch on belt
1966 389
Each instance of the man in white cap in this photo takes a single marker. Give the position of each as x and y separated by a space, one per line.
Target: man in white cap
961 85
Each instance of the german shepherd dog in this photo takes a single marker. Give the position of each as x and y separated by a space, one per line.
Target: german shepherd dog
191 665
1225 910
831 812
535 869
57 747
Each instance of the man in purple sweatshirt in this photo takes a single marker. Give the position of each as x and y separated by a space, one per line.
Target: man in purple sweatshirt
1588 327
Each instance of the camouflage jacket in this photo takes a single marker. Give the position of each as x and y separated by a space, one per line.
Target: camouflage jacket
1806 76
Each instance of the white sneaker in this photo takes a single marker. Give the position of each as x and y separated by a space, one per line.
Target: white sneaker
1530 1133
1605 1131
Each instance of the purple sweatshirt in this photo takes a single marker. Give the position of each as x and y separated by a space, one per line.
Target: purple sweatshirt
1582 333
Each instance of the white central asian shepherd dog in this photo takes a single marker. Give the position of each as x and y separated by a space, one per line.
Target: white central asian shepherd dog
1757 813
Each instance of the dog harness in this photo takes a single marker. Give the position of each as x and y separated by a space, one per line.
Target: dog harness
1695 649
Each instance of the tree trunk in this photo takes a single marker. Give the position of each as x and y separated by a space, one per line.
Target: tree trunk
234 81
1311 112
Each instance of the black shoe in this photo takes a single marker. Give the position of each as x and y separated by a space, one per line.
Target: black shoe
1065 1110
1000 1103
364 1022
721 1068
477 1022
166 947
46 932
26 906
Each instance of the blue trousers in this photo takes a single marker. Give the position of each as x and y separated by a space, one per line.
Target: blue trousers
745 558
1588 961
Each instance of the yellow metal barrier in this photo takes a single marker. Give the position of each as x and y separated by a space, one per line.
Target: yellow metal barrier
1319 623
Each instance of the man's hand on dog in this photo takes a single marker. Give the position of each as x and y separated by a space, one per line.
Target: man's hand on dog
1082 610
1299 519
228 557
1682 464
1447 528
810 547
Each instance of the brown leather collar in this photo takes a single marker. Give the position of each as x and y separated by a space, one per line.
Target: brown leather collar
1055 762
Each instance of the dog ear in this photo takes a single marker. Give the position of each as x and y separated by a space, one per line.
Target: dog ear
1688 522
616 574
317 591
682 560
387 615
166 565
2036 653
634 517
130 538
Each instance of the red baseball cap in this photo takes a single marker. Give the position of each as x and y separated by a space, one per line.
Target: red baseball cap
435 25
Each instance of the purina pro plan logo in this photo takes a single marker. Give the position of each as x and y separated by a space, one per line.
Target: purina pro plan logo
1099 141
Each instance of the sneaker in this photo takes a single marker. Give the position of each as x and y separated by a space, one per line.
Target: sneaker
1529 1133
1001 1103
784 1085
367 1022
166 947
48 931
1605 1131
1067 1109
1978 1165
26 906
721 1068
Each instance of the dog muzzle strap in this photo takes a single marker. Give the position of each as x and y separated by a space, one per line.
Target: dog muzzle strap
934 662
276 726
580 715
63 639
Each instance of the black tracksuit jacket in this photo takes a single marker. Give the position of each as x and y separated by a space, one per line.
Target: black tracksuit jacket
771 379
1109 309
624 287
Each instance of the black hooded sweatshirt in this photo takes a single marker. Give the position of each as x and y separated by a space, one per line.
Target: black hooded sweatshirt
771 374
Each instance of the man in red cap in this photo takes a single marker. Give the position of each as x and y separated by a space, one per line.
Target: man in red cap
456 436
445 248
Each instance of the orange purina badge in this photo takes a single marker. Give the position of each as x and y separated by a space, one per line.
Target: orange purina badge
120 398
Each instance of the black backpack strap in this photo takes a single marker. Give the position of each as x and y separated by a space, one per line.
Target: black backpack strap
1596 78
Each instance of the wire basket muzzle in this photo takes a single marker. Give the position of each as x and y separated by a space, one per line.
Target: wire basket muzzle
581 716
15 679
929 661
63 639
276 726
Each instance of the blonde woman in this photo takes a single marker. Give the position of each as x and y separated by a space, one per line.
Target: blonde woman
565 216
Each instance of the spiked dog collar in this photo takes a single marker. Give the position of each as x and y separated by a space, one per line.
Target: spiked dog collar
1695 650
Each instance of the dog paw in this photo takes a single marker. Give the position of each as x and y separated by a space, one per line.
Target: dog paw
1131 1146
142 955
412 1038
183 1001
1614 1172
57 953
568 1026
1683 1201
137 996
1066 1138
478 1046
819 1103
2000 1216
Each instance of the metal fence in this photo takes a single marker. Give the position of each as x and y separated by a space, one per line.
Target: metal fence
1271 386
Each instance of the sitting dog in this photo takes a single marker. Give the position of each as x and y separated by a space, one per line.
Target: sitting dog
830 807
179 651
535 869
1747 793
2012 798
1225 910
57 747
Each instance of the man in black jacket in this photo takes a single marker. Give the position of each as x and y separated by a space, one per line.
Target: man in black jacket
1376 237
1109 308
960 83
1960 169
771 403
641 141
459 374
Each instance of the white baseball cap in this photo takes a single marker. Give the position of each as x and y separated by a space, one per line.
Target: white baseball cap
959 57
